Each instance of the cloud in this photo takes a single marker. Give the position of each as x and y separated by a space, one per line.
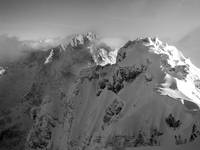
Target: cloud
11 48
114 43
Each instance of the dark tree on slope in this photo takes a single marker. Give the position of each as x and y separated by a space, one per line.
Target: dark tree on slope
172 122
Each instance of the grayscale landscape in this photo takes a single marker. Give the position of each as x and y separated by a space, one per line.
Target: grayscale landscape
99 75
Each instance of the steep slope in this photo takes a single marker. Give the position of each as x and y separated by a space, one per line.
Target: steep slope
135 102
84 95
26 85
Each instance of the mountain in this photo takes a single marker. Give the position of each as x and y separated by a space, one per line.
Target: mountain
83 94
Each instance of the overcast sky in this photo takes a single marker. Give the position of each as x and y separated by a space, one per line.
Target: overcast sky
33 19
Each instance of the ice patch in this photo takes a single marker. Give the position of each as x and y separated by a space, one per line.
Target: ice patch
49 58
2 71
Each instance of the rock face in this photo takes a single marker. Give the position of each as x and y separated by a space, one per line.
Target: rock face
83 96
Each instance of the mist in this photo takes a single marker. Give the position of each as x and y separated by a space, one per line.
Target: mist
11 48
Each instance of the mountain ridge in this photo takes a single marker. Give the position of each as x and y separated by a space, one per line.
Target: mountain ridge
71 100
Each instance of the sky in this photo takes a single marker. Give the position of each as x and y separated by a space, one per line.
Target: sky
170 20
33 19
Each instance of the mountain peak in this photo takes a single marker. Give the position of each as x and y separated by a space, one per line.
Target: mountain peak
167 62
82 39
100 51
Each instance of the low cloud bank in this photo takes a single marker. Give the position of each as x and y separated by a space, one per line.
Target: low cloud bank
11 48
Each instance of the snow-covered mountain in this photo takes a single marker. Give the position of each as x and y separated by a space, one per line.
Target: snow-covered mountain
86 95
